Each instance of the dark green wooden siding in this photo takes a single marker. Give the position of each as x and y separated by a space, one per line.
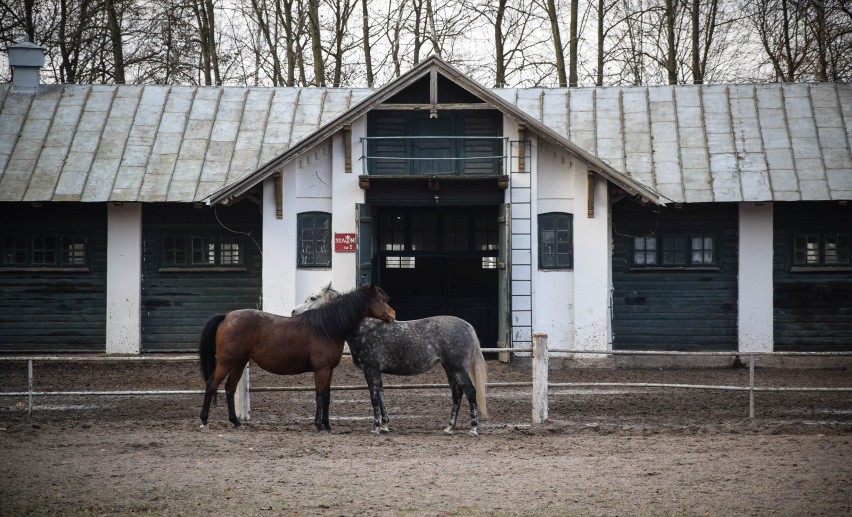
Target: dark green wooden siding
812 307
57 309
176 304
671 309
395 156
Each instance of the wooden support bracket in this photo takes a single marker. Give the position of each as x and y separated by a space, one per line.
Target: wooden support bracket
347 148
590 194
279 195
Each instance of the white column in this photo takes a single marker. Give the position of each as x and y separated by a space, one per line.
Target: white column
345 193
124 278
279 248
755 316
592 266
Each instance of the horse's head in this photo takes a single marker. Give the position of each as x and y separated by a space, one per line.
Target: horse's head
319 298
378 305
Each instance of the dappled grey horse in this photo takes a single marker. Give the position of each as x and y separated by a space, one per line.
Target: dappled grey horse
414 347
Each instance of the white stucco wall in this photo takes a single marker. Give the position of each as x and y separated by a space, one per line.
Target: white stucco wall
346 194
124 274
313 194
755 308
593 262
279 253
554 289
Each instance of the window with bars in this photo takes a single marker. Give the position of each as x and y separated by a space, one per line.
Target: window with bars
314 240
43 250
830 249
675 251
555 241
187 251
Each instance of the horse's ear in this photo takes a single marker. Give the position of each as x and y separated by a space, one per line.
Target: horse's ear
328 287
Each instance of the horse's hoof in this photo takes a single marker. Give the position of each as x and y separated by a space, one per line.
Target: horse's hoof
448 430
375 430
384 429
204 427
473 431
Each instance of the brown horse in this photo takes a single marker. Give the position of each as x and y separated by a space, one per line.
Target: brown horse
310 342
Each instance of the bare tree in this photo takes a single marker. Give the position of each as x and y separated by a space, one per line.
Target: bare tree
316 42
115 37
206 19
572 45
780 25
558 50
368 59
343 41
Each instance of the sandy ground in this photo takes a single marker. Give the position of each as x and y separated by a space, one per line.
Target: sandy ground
606 451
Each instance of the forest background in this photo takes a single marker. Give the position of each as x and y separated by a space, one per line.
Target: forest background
367 43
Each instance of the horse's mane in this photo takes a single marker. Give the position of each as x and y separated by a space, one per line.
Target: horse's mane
339 318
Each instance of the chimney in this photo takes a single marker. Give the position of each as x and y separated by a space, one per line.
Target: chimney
26 59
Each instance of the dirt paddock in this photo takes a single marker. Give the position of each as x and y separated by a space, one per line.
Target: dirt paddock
606 451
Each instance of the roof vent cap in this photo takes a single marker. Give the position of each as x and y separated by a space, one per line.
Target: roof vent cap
26 60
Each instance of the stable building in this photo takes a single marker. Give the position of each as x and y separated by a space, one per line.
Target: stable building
622 218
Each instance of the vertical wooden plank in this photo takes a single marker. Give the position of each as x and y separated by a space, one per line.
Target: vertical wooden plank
347 148
539 390
242 399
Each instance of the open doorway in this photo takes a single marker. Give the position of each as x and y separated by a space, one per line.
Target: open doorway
440 261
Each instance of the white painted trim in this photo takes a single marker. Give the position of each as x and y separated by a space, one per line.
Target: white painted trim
755 285
124 279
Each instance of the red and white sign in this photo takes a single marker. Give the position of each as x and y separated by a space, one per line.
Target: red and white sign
344 242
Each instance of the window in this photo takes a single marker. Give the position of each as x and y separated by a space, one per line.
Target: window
456 226
201 251
645 251
43 250
821 249
555 241
404 234
182 251
314 239
486 237
675 251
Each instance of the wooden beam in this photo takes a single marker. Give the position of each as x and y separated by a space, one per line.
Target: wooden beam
590 194
522 148
433 92
347 148
279 196
438 106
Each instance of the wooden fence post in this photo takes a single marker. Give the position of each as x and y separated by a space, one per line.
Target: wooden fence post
242 401
539 378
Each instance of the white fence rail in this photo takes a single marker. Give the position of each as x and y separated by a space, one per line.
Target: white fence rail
539 383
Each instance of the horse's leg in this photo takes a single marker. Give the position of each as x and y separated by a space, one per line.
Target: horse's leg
470 393
457 396
210 392
380 417
385 419
322 385
231 390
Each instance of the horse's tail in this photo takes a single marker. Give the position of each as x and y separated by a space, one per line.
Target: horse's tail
207 347
479 375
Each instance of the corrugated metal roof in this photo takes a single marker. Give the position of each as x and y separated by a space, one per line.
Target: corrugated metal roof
150 143
702 143
690 143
